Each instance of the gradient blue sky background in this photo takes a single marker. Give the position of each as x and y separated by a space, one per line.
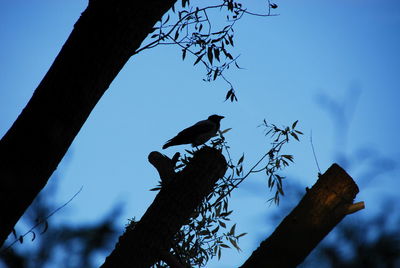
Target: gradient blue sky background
313 48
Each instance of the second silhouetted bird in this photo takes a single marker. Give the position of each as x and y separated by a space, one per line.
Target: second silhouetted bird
197 134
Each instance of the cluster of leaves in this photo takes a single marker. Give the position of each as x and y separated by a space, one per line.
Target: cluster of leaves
204 236
196 33
276 160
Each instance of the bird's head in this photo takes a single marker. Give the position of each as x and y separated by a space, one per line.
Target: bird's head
215 118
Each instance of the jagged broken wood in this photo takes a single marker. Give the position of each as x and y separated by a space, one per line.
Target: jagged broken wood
320 210
164 165
146 241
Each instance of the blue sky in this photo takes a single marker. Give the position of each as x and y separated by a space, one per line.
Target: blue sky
311 48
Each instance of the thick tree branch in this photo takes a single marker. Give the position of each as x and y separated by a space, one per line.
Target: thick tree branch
144 243
320 210
101 43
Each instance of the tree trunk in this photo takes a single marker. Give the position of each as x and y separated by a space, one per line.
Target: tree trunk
320 210
145 242
103 39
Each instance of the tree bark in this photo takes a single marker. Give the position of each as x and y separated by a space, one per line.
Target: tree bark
103 39
144 243
319 211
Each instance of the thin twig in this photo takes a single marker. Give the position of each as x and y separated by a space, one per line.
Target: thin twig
315 156
42 221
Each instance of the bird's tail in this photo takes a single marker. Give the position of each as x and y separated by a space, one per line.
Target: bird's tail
167 144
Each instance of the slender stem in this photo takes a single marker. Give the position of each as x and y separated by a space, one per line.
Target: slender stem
39 222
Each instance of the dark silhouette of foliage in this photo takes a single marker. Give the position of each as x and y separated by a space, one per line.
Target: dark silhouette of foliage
207 33
59 245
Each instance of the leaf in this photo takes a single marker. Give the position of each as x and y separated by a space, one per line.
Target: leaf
199 58
226 130
277 163
222 224
167 19
240 160
21 239
216 53
199 52
14 233
281 190
184 2
232 230
294 124
231 39
176 35
33 235
237 65
242 234
228 94
210 55
215 230
273 6
225 214
288 157
218 211
233 96
224 245
233 242
215 74
204 232
230 5
294 136
226 205
234 99
183 54
46 226
215 250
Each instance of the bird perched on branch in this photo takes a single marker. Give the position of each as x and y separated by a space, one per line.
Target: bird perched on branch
197 134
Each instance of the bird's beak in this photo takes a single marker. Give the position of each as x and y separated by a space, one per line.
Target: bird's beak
220 116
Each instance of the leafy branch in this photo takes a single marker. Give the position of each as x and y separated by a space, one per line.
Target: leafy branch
194 32
276 161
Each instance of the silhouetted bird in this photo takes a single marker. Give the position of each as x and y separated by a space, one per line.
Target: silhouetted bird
197 134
